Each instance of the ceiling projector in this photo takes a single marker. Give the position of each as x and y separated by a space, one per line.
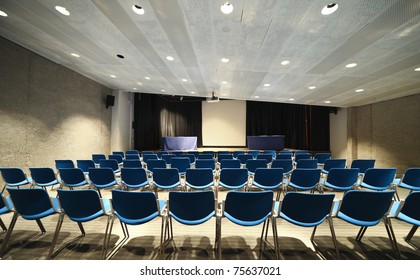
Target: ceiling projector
212 98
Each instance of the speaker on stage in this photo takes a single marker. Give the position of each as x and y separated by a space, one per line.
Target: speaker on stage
110 99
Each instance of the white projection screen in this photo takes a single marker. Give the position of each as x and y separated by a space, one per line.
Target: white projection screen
224 123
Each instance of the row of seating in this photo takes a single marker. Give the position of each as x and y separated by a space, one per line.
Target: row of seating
360 208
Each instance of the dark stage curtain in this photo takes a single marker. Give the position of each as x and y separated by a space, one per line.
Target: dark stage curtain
305 127
156 117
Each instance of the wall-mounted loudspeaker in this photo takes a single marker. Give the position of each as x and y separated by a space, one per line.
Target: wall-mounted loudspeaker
110 99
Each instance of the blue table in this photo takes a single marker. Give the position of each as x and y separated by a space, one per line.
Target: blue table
266 142
180 143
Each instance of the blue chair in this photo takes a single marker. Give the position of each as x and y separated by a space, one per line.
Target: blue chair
30 204
85 164
236 153
160 153
254 153
147 157
178 153
6 206
133 152
243 158
248 209
82 206
365 209
118 158
284 152
322 157
64 163
267 157
199 178
307 163
134 178
409 181
151 164
301 156
205 163
43 177
189 208
407 210
304 179
180 163
270 152
119 153
233 178
286 164
230 163
363 165
340 179
110 163
166 178
253 164
333 163
269 179
191 157
133 157
221 157
284 156
378 179
14 177
307 210
132 164
102 178
167 158
72 178
209 153
97 158
299 152
205 156
134 208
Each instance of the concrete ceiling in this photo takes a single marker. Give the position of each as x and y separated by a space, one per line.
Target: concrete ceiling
381 36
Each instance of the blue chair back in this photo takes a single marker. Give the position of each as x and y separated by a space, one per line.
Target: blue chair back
378 178
109 163
333 163
72 177
248 208
160 153
233 178
230 163
102 177
267 157
85 164
134 177
342 178
5 206
80 205
132 163
305 179
286 164
366 206
132 157
43 176
253 153
298 152
119 153
134 208
132 152
118 158
98 157
302 156
236 153
64 163
31 204
180 163
191 157
192 208
322 157
166 178
284 152
199 178
221 157
205 156
243 158
411 207
167 158
284 156
363 164
305 209
253 164
147 157
270 152
205 163
268 178
411 179
307 163
14 176
155 163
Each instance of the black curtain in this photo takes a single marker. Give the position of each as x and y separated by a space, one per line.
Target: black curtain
305 127
156 117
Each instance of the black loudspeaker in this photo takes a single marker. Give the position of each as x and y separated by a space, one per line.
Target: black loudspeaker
333 110
110 99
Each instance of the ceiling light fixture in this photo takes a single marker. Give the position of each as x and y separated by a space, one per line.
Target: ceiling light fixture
112 76
285 62
359 90
162 90
417 69
192 92
184 80
3 14
134 88
267 85
147 78
291 99
312 87
329 9
351 65
256 96
224 60
327 102
224 82
170 58
138 9
226 8
75 55
62 10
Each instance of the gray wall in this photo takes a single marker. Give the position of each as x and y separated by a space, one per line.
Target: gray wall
387 131
47 111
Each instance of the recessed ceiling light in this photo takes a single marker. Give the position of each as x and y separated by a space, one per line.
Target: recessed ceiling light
266 85
351 65
147 78
312 87
224 60
192 92
3 14
256 96
75 54
139 83
112 76
327 102
137 9
417 69
285 62
162 90
184 80
120 56
170 58
224 82
329 9
62 10
359 90
226 8
134 88
291 99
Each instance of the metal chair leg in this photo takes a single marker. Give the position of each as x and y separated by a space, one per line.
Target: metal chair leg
8 234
